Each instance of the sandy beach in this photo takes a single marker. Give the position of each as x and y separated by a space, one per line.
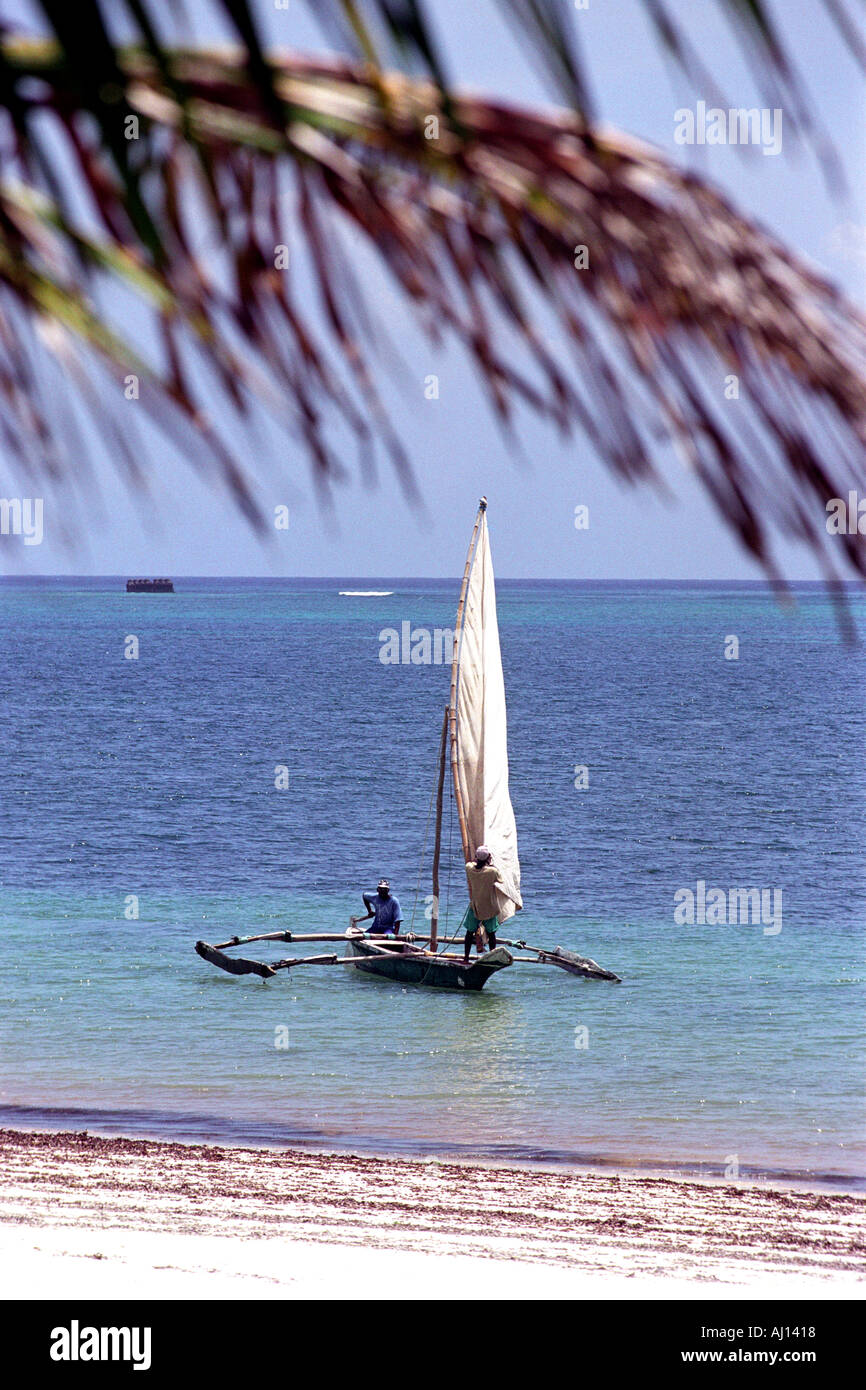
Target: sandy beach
98 1217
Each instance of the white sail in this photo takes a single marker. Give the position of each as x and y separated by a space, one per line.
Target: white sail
482 750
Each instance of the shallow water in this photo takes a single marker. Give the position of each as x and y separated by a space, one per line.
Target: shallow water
724 1045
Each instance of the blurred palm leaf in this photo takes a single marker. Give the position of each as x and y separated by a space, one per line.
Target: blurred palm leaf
475 207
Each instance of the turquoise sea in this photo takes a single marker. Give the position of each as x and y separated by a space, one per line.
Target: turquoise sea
149 784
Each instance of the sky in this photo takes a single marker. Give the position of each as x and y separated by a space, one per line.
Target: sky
185 527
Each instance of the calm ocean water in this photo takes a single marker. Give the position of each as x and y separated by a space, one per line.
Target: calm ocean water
155 777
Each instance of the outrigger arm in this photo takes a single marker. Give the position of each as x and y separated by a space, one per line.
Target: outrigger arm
569 961
566 960
239 965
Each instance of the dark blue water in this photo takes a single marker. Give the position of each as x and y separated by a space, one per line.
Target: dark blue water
725 1044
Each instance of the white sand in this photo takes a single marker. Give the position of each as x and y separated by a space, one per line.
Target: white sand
106 1218
56 1262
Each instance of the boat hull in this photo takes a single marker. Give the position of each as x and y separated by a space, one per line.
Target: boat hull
408 967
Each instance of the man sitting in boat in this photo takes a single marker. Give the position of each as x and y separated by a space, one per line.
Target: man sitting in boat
483 877
384 909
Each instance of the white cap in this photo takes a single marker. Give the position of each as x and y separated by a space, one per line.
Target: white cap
483 852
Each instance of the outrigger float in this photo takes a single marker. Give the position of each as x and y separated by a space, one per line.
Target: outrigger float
474 738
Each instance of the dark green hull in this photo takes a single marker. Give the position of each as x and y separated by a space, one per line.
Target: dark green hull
406 967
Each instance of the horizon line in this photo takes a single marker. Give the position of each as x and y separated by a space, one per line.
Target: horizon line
404 578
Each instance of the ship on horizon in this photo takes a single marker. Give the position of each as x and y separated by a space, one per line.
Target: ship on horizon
149 586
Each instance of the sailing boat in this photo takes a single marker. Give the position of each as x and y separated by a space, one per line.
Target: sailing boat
474 726
474 741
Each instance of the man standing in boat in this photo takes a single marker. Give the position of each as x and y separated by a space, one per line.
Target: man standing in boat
483 876
384 909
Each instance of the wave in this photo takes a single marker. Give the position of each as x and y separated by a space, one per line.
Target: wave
191 1127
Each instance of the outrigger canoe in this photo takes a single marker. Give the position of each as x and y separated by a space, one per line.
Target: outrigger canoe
474 732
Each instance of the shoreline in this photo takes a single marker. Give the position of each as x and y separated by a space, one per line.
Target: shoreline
86 1215
195 1130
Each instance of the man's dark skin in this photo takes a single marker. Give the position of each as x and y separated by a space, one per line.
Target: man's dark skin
383 893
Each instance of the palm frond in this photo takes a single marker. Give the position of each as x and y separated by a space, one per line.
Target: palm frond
404 36
475 218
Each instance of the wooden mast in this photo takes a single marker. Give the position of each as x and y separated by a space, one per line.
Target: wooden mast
437 843
452 706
